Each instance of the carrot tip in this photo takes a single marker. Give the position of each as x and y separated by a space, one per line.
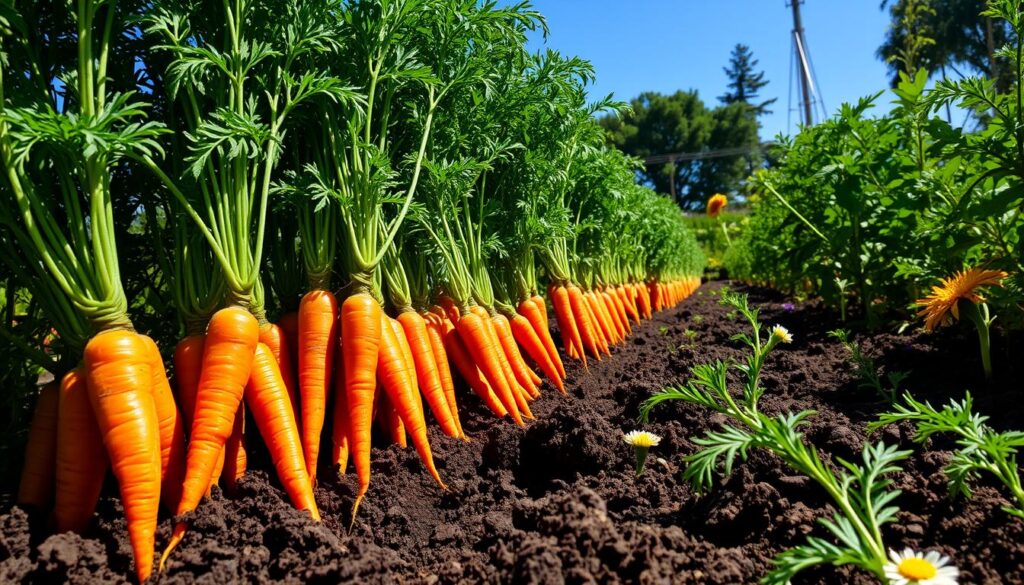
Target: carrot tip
176 537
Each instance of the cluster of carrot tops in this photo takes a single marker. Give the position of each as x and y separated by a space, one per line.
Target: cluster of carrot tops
395 181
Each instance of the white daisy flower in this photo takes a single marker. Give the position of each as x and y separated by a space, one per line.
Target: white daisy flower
782 334
641 439
915 568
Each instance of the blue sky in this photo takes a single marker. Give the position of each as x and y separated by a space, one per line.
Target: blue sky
665 45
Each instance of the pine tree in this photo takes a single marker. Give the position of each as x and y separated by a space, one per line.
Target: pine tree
744 82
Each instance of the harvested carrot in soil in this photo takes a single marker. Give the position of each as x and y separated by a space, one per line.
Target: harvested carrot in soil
581 315
188 366
538 319
567 325
427 375
318 320
396 379
480 345
435 333
117 367
38 476
361 331
172 431
276 339
271 408
81 460
471 373
231 340
521 371
527 338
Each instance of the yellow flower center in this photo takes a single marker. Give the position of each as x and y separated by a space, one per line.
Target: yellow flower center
916 569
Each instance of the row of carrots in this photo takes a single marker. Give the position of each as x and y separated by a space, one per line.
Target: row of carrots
394 366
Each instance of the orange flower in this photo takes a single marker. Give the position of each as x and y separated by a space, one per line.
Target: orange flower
937 306
716 204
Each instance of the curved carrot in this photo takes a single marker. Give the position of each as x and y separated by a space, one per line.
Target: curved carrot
471 373
567 322
318 320
81 460
613 313
435 333
276 339
581 314
172 430
620 309
231 339
236 460
188 366
480 345
339 429
407 361
117 366
360 336
38 475
538 320
645 299
396 378
629 302
601 319
415 329
519 393
521 371
542 308
527 338
271 408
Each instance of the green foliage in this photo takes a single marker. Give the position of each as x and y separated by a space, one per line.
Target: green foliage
861 491
710 233
866 370
981 448
872 211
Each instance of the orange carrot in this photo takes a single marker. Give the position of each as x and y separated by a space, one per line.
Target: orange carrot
620 309
271 408
339 430
628 302
172 430
566 320
231 339
601 318
480 345
235 458
415 329
120 381
318 319
396 378
542 308
527 338
188 365
538 319
613 313
581 314
521 371
39 472
276 339
81 460
361 337
435 333
471 373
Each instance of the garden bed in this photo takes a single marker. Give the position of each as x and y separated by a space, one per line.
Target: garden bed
558 502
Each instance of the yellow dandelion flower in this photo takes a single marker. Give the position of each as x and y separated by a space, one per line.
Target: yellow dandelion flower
937 307
642 439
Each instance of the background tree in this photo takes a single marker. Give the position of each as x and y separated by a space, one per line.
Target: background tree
744 81
961 40
682 123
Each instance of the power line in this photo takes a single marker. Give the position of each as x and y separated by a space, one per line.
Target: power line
674 157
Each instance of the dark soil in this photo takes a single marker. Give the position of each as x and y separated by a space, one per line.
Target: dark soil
558 502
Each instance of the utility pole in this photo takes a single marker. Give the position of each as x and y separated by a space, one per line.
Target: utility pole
801 56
